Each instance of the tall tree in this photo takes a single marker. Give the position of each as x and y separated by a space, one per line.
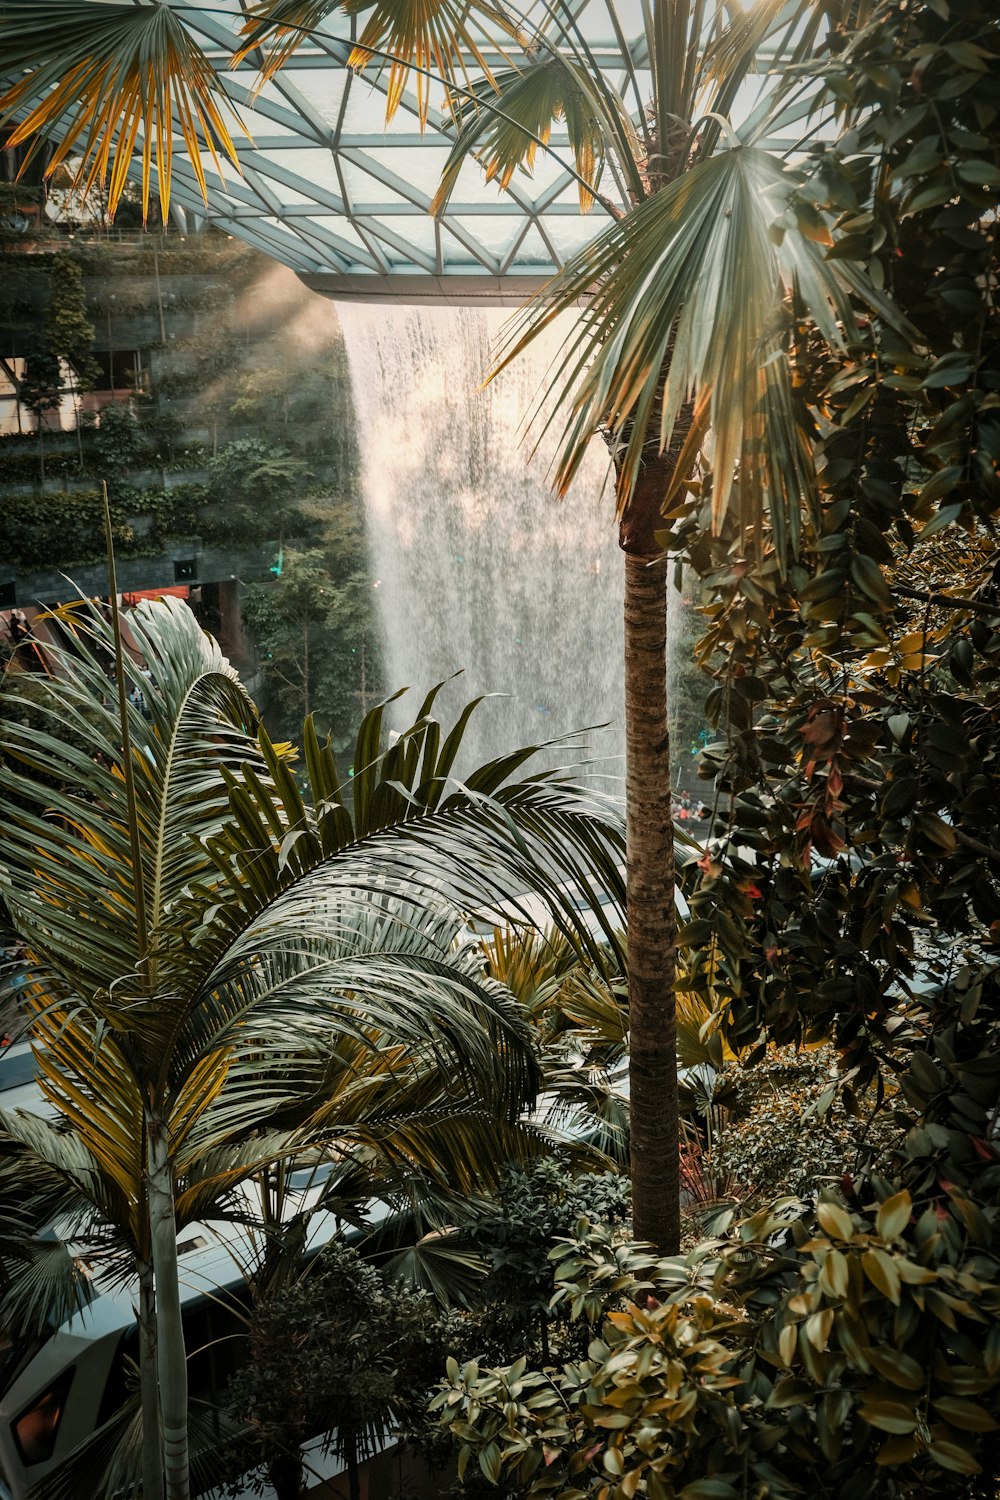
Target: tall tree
680 356
200 937
316 636
41 390
69 332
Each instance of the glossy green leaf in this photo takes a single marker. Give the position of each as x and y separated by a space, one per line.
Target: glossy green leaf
889 1416
953 1458
881 1271
967 1415
835 1221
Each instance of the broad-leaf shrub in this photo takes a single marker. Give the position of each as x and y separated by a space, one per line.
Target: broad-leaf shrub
849 1352
784 1127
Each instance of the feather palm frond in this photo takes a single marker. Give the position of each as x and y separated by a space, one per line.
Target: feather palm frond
60 1151
474 843
67 848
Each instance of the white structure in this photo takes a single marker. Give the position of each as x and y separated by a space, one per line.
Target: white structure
343 198
332 190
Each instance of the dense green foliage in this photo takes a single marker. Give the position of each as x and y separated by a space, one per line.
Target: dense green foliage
780 1128
849 1349
259 485
252 415
535 1208
67 330
341 1349
62 528
857 695
851 1353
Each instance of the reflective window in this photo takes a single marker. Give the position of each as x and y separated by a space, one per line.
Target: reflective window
36 1429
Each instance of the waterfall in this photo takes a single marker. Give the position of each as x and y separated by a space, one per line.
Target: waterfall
478 567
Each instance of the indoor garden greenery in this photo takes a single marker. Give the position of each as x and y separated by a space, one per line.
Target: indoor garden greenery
846 1342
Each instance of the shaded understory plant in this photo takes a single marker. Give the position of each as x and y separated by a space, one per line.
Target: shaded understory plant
341 1351
536 1206
784 1127
848 1347
852 1352
229 966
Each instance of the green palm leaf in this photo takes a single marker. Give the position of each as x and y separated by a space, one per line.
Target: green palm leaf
472 843
442 1265
100 79
683 312
67 848
348 984
44 1289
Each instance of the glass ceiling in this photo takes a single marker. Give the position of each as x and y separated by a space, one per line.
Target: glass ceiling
341 197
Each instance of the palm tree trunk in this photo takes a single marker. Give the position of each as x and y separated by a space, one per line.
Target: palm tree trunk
649 837
152 1460
285 1471
352 1466
651 916
170 1353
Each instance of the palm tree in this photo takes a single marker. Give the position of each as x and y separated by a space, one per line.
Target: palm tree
578 1010
680 356
679 359
388 1117
210 948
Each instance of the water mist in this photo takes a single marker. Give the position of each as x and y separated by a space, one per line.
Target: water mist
479 569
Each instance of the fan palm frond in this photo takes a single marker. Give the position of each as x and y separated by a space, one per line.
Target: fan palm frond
700 1039
44 1287
99 80
441 1264
504 122
684 315
533 965
430 43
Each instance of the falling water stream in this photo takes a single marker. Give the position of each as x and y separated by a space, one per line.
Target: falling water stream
479 569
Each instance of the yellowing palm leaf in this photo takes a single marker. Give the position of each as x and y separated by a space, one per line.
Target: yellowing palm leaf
101 79
93 1088
504 121
431 39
